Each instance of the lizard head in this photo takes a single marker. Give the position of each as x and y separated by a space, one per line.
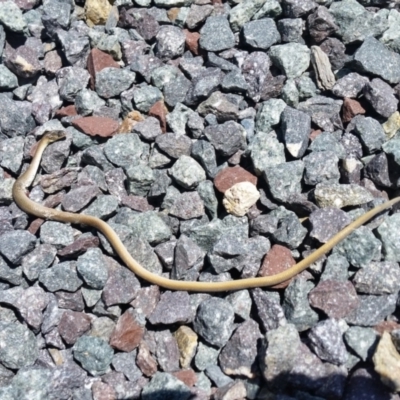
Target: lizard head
53 136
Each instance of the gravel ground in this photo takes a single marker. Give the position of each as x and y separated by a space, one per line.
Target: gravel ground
202 131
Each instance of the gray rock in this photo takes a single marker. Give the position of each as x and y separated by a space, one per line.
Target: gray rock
234 82
320 167
140 178
87 101
164 384
167 351
239 354
327 342
261 34
187 205
170 42
174 145
324 112
55 155
75 46
124 150
336 268
176 91
283 345
94 354
11 17
15 117
56 15
241 303
125 363
356 23
163 75
269 309
373 57
270 8
206 356
296 126
219 105
19 347
145 96
206 192
243 12
189 259
325 141
216 375
372 310
284 180
172 308
360 247
351 85
149 129
7 79
266 150
362 341
204 152
15 244
93 269
62 276
381 97
102 207
197 14
378 278
297 8
296 306
226 138
214 321
111 82
292 58
36 382
289 230
70 81
10 275
321 24
291 30
387 232
216 34
269 114
187 172
11 153
327 222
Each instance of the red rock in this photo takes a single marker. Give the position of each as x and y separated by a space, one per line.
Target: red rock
159 111
127 334
136 203
351 108
97 61
96 126
73 325
192 41
35 225
187 376
79 246
145 361
229 176
66 111
277 260
102 391
386 326
336 299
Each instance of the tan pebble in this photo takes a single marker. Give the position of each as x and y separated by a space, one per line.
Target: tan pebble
392 125
387 362
97 12
187 344
240 198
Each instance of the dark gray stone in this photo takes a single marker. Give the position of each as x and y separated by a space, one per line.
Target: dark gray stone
321 166
15 244
261 34
170 42
216 34
93 268
174 145
214 321
291 30
381 97
61 276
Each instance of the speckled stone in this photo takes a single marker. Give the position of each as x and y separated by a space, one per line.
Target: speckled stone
57 234
360 247
73 325
173 307
15 244
239 354
62 276
187 205
161 386
93 268
166 351
362 341
296 306
125 363
19 347
94 354
187 172
372 310
214 320
327 222
387 232
327 342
